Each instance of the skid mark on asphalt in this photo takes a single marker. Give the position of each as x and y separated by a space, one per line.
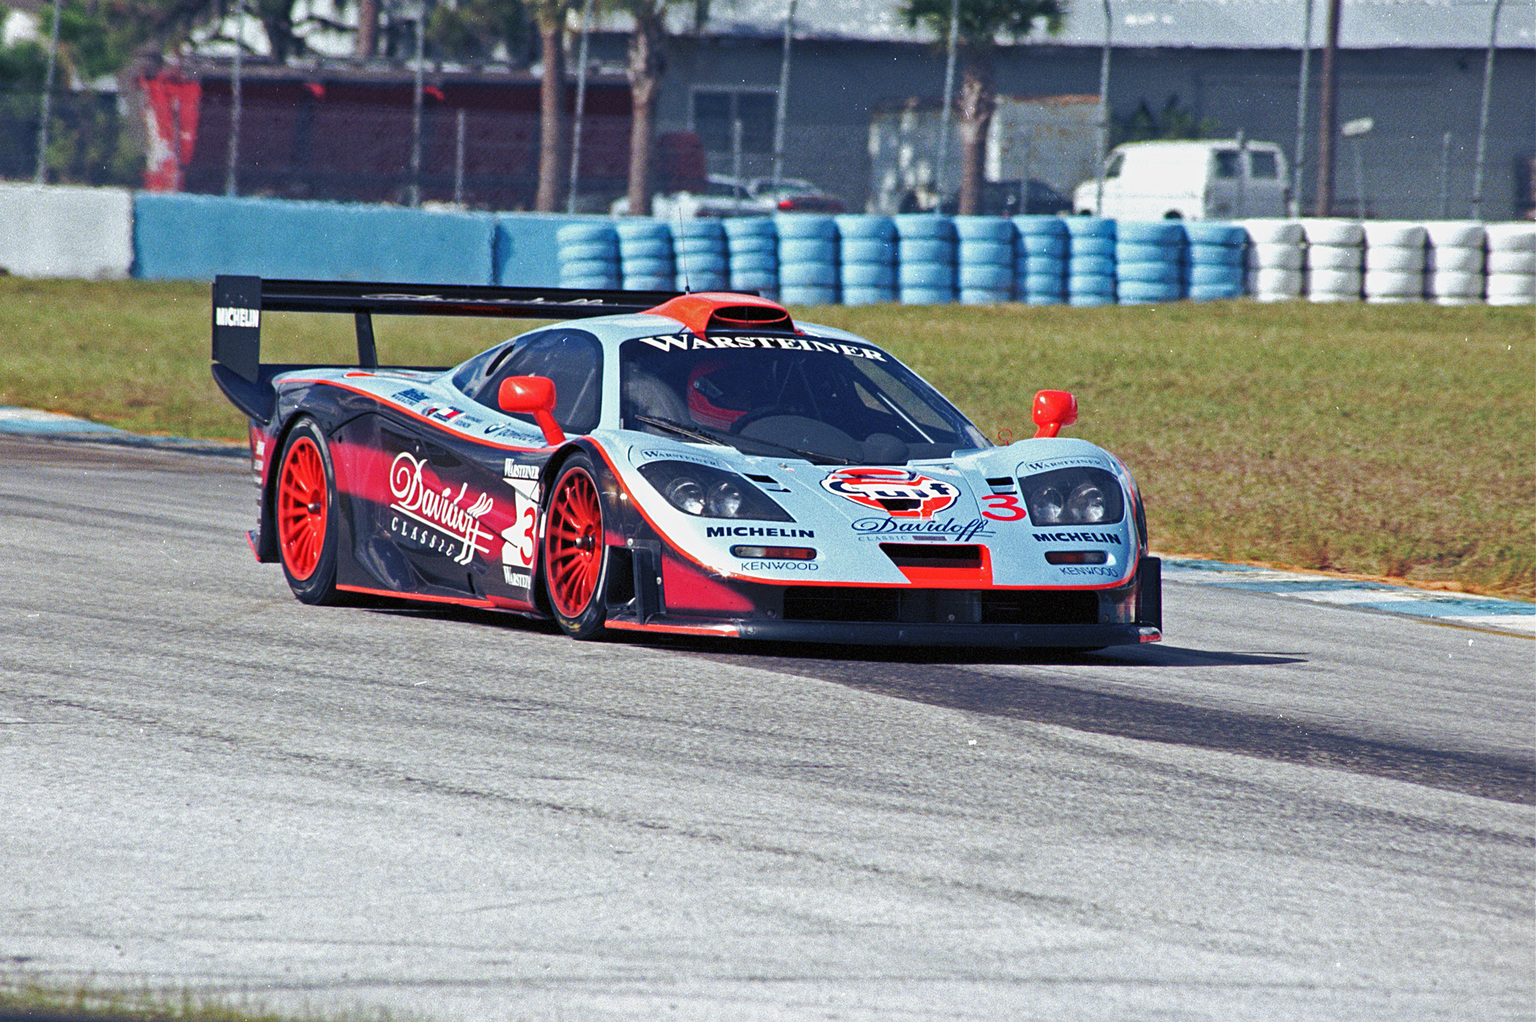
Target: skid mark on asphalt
1506 778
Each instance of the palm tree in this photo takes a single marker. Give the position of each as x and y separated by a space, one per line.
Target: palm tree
979 25
647 64
550 16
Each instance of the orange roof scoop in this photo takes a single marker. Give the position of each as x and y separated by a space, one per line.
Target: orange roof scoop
712 311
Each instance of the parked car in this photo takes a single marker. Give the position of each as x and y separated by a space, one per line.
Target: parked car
1000 198
725 195
1189 180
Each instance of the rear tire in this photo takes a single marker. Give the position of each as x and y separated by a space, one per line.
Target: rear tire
304 512
575 555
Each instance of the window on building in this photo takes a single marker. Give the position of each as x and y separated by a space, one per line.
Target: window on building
716 113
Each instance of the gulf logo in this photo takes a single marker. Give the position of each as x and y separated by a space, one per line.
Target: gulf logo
897 492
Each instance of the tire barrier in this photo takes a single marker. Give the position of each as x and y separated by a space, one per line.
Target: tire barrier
1334 260
985 257
925 259
1090 261
646 260
1511 264
856 259
698 246
588 255
866 258
1218 261
752 254
1394 261
1275 259
1150 261
1040 269
807 258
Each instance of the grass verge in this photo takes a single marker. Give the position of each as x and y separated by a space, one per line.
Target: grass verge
1384 440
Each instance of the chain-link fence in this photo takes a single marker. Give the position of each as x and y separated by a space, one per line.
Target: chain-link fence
88 139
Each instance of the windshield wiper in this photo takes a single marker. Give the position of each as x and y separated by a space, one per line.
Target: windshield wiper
678 428
814 457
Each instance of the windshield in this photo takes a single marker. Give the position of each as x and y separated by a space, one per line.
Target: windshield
827 401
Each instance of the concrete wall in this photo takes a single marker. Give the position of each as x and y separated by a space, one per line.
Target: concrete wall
65 231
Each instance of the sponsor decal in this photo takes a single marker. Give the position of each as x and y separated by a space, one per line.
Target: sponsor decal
441 414
950 529
689 342
898 492
1050 463
688 456
228 316
751 531
519 541
1089 569
411 396
437 519
1078 537
780 566
512 470
401 296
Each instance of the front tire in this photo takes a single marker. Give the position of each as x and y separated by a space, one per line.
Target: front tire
304 509
575 554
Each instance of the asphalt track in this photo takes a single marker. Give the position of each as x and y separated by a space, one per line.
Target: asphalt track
1289 810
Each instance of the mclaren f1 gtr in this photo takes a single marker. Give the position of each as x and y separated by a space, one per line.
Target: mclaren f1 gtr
694 464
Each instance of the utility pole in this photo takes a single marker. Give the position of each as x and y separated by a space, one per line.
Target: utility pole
1328 113
47 111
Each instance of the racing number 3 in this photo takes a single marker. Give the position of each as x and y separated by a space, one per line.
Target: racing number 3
1004 507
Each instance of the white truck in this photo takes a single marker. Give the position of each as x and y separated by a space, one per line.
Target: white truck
1202 180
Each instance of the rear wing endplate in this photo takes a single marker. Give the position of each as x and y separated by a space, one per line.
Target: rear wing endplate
239 301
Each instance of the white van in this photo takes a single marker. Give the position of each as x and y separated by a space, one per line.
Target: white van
1206 180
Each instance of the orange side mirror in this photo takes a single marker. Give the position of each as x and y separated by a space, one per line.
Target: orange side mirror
1053 410
532 395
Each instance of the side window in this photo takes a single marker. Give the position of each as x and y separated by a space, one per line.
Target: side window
1264 165
1112 169
571 358
1226 163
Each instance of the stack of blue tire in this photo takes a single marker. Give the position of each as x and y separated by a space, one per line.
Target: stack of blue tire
925 259
752 254
699 244
807 258
1149 261
1090 260
1218 255
588 254
985 259
867 258
645 255
1040 272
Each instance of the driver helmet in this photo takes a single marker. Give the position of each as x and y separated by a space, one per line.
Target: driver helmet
720 392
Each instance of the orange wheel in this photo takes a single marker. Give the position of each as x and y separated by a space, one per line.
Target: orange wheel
575 556
306 529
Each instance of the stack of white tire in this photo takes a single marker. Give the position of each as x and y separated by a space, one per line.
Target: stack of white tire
1275 259
1394 261
1511 264
1454 262
1335 259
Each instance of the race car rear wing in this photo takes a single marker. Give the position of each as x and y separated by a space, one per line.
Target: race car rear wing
239 301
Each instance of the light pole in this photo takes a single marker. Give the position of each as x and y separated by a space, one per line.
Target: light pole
233 160
1103 149
949 102
41 177
1304 80
1357 129
1482 115
782 112
581 106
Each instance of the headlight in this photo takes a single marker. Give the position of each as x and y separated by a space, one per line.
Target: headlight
1074 496
710 492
